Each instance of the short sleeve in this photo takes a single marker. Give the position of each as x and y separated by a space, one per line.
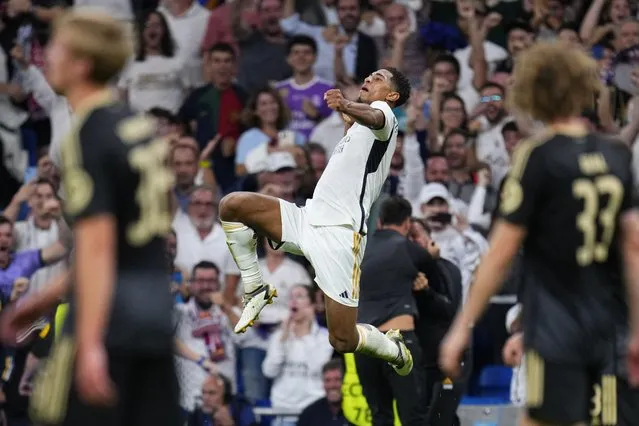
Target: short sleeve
522 185
86 178
390 122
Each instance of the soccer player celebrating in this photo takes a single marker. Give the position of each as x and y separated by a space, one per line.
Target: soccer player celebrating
568 201
331 230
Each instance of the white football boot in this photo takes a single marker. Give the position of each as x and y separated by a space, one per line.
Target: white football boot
254 302
405 368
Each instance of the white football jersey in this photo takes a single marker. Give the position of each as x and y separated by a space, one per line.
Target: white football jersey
355 174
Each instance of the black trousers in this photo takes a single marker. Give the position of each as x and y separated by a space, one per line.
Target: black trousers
381 385
443 398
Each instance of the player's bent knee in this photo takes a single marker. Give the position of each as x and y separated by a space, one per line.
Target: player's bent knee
342 344
231 206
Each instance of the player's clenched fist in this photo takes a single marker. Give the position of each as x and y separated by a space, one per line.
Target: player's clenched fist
335 100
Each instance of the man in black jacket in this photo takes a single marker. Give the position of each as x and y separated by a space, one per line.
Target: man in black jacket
391 264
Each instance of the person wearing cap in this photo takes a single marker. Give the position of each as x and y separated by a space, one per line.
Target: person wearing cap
279 174
458 242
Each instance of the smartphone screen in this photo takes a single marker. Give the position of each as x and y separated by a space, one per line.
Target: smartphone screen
443 218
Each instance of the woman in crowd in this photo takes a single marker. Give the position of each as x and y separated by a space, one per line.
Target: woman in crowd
295 356
156 77
450 115
265 116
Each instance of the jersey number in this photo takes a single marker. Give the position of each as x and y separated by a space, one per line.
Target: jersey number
594 214
152 193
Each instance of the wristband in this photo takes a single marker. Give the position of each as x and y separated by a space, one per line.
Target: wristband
200 361
205 164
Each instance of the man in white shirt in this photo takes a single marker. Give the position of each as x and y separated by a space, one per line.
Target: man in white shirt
330 231
458 242
38 231
490 146
200 237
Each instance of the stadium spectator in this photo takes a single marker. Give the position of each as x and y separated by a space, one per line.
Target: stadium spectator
187 21
25 263
295 357
447 113
303 93
156 77
327 411
40 230
200 237
357 51
220 407
459 243
489 144
215 109
285 274
204 333
263 47
266 116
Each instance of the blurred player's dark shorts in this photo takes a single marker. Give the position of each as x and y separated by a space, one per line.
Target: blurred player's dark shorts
559 393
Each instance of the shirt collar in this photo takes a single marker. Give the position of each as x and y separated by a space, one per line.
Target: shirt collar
192 11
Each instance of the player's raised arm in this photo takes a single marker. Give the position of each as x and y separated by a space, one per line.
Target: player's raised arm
362 113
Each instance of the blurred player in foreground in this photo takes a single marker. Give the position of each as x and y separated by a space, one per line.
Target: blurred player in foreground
568 201
330 231
117 340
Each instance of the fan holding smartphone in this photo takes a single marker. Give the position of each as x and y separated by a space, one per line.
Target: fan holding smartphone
458 242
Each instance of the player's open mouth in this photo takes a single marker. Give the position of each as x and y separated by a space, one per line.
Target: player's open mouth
364 89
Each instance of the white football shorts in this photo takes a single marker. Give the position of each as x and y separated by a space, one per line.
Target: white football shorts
335 252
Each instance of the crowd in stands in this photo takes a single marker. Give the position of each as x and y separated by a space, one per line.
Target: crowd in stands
237 89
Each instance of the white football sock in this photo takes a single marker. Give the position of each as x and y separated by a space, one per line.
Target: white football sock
241 242
374 343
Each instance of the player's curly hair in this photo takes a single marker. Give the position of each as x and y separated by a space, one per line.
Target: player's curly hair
551 81
402 85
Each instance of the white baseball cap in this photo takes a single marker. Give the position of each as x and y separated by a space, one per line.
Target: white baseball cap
433 190
280 160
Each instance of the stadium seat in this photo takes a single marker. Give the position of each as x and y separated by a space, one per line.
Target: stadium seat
494 382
